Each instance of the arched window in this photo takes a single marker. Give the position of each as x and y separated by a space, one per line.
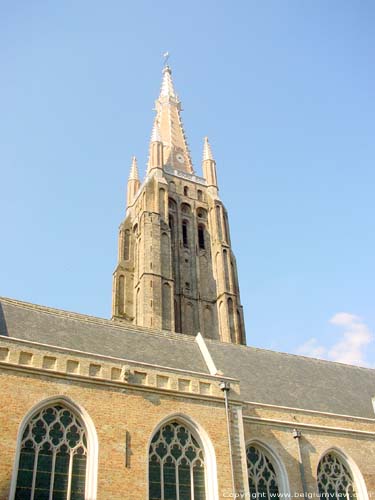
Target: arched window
263 482
176 464
232 331
185 237
335 481
202 213
226 270
185 208
200 195
162 202
53 457
218 221
201 236
172 205
121 294
126 244
186 191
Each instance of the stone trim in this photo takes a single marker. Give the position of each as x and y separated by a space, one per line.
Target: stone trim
312 427
109 371
85 354
314 412
206 354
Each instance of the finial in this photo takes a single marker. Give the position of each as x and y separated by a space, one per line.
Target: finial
166 58
155 135
207 152
134 169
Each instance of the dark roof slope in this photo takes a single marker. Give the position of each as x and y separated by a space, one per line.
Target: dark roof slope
297 381
100 336
266 377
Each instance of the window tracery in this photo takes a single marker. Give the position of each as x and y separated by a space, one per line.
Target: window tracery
335 480
176 465
53 456
263 482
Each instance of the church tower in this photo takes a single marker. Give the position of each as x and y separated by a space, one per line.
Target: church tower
176 269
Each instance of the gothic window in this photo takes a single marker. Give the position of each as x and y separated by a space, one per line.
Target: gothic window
335 480
186 191
166 306
121 294
165 252
185 238
263 482
176 464
177 320
162 202
53 456
185 208
226 231
202 213
231 320
172 204
171 227
226 270
200 195
201 236
218 220
126 244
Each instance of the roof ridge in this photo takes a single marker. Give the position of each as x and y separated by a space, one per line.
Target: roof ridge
311 358
99 321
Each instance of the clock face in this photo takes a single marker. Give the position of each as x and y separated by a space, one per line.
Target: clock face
180 158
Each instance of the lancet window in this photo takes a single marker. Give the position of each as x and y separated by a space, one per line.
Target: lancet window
335 480
262 476
53 456
176 465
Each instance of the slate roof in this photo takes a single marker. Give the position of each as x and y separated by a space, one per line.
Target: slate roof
265 376
297 381
99 336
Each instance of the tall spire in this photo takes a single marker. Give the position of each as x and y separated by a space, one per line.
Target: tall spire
167 88
207 152
168 128
133 183
134 176
209 166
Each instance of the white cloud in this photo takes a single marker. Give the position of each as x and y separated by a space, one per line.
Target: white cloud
351 347
312 348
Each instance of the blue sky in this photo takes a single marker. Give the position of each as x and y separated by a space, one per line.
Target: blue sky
285 92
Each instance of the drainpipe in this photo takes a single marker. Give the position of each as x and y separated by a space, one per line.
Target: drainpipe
297 436
225 387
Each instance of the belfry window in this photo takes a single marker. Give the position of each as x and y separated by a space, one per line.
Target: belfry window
176 464
53 456
261 473
185 238
201 237
335 480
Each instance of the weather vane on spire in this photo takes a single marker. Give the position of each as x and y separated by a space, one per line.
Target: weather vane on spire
166 58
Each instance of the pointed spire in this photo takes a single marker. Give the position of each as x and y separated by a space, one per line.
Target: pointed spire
168 128
134 170
167 88
207 152
209 166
